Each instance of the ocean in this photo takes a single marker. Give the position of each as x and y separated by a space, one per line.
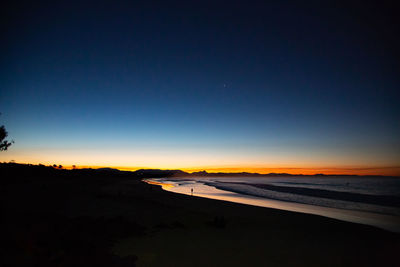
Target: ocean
367 200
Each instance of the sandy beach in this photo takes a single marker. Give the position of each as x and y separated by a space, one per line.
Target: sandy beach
63 218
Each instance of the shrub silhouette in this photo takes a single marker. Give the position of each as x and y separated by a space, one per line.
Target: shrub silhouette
4 144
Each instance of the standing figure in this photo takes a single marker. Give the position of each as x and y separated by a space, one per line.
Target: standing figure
192 191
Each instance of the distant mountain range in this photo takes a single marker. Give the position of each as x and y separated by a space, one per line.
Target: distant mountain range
158 173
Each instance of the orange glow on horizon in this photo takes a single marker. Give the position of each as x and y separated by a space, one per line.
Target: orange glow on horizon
385 171
192 161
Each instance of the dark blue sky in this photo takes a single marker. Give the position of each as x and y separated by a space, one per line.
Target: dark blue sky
278 83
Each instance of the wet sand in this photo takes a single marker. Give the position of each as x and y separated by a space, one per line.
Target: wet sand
197 232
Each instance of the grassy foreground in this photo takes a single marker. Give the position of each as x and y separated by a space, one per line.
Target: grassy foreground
54 217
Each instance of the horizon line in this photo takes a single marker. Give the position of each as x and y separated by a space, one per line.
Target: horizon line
355 171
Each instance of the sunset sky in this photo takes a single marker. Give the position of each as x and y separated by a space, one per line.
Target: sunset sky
281 86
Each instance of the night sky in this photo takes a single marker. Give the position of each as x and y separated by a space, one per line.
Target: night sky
238 85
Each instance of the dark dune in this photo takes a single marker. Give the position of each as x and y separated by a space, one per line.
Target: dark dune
106 218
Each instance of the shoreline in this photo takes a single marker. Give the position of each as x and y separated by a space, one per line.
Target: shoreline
381 221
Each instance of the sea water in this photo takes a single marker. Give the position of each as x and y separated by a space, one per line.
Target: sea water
367 200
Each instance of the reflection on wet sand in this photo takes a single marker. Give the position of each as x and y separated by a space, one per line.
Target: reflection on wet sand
387 222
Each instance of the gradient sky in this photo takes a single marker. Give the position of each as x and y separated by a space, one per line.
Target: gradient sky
239 85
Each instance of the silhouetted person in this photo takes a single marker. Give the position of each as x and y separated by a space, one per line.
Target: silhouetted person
192 191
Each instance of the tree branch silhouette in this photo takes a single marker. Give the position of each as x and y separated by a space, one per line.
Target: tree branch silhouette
4 144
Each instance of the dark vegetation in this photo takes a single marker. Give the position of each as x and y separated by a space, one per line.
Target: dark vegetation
4 144
38 228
